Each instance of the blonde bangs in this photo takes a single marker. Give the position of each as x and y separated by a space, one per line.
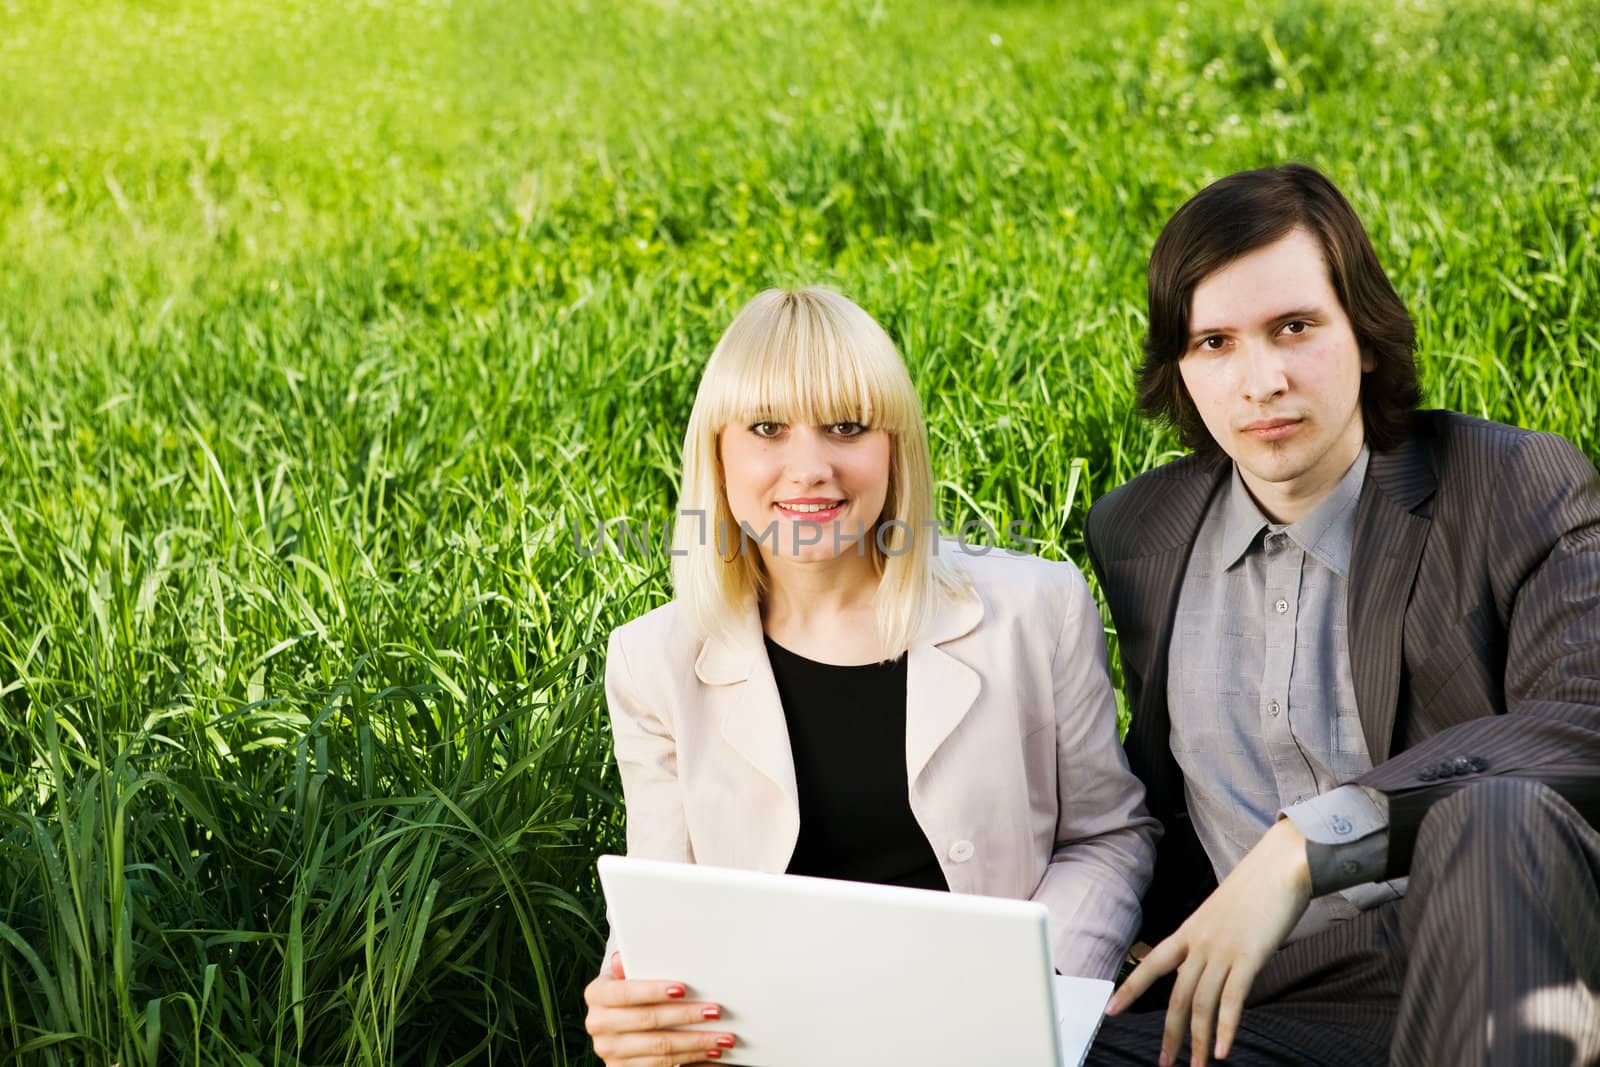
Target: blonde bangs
807 358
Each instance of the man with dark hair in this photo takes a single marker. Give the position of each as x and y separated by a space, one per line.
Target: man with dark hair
1362 651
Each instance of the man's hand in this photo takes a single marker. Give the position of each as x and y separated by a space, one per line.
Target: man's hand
1220 949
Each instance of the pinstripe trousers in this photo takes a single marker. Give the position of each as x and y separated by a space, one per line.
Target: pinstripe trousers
1492 958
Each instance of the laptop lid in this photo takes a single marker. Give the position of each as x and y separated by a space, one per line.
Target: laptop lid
813 970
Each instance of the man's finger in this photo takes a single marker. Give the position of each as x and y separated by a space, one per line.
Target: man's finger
1159 961
1178 1009
1203 1012
1231 1009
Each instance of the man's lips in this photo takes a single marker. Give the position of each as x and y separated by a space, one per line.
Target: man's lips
1270 429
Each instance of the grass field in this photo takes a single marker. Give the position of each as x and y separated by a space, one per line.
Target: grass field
324 326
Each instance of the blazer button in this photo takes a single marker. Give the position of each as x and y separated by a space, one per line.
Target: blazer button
961 852
1427 774
1464 766
1478 763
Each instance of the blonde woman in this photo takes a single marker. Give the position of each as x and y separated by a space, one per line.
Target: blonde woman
835 691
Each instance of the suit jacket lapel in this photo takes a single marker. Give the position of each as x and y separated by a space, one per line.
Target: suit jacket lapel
1143 590
940 689
736 665
1389 537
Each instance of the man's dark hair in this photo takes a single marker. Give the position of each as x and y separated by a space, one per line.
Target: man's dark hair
1237 215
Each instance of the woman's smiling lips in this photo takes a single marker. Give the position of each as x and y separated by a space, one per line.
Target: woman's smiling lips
812 508
1270 429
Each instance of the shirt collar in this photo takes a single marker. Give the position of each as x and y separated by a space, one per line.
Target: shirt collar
1327 532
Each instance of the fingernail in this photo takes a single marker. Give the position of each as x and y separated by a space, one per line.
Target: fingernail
1114 1007
676 992
1164 1060
725 1041
714 1054
712 1012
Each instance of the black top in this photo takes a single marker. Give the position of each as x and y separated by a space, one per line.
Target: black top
847 731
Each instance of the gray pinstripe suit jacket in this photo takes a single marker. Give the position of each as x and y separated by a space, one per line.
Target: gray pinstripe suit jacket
1474 626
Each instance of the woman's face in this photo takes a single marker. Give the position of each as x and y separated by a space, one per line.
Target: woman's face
806 493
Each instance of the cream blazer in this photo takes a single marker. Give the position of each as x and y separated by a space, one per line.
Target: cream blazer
1016 774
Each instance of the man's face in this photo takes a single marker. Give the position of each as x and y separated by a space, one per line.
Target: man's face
1273 367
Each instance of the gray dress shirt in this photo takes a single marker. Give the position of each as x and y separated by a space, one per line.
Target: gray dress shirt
1264 720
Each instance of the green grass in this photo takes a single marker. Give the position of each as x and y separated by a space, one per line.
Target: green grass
322 325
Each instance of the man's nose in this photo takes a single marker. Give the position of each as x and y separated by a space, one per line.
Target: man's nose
1261 372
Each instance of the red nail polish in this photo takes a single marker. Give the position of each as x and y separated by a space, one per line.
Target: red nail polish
712 1012
676 992
725 1041
714 1054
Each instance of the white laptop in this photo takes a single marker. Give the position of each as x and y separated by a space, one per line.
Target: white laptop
812 970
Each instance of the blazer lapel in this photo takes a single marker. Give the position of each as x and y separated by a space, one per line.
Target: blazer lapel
940 689
1389 537
1167 527
735 665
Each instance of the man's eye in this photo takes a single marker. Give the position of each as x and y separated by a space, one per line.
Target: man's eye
766 429
847 429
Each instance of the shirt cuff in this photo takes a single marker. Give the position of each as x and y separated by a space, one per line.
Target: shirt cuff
1347 837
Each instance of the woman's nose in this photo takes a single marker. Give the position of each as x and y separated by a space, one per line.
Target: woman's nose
807 459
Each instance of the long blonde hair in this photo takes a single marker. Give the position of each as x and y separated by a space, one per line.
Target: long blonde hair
810 357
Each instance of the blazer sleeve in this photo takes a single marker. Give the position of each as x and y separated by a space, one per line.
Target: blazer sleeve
647 759
1104 839
1543 558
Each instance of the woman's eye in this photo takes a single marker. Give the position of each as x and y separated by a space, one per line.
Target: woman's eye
1213 343
847 429
1297 327
766 429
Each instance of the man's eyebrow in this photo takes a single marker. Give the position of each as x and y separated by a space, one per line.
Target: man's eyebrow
1310 311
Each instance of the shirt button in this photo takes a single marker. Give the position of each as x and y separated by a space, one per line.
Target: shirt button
1350 866
1282 606
1340 824
961 852
1273 709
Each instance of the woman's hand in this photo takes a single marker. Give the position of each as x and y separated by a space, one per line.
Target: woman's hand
632 1022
